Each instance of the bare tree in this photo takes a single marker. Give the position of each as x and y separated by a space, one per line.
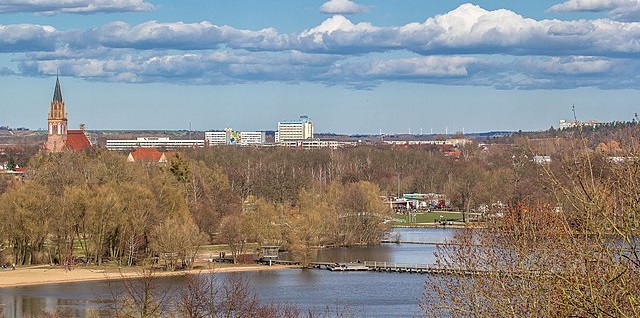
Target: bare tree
139 297
177 241
233 233
576 257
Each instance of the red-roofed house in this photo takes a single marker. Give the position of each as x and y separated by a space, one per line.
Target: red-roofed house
58 137
149 155
17 172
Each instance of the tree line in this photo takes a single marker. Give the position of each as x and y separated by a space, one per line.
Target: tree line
97 206
109 209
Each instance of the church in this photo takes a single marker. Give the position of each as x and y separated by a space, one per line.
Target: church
59 138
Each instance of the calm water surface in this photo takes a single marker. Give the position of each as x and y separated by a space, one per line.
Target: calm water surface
366 294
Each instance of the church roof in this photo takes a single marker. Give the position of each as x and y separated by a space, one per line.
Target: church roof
77 140
57 93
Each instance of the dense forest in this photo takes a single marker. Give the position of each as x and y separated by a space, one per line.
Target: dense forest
128 212
564 243
96 205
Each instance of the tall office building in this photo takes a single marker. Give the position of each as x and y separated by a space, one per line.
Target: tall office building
295 130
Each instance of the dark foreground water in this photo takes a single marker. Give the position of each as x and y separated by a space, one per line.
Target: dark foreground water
364 294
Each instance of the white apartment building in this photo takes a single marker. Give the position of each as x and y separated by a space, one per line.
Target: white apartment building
294 130
313 144
564 124
215 138
152 142
231 137
252 138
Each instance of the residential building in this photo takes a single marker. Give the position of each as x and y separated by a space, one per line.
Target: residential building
153 142
215 138
231 137
564 124
542 160
59 138
294 130
315 144
252 138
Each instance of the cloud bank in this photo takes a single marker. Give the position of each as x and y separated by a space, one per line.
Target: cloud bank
50 7
466 46
620 10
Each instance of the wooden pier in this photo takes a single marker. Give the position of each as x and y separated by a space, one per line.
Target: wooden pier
386 241
340 267
402 267
392 267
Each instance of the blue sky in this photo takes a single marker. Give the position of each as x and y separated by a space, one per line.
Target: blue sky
358 66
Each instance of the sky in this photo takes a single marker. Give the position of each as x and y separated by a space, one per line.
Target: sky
352 66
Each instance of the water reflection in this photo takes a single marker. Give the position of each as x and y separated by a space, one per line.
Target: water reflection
423 235
77 299
365 294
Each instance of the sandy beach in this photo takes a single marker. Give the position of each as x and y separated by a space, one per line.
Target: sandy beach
45 274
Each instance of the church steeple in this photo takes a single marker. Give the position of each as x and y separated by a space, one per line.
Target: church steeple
57 121
57 93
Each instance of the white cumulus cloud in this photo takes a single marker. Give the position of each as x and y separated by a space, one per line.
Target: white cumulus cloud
27 38
466 46
342 7
470 29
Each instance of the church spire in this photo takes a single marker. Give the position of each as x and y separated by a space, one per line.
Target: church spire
57 93
57 122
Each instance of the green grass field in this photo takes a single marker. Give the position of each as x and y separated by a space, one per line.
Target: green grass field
427 217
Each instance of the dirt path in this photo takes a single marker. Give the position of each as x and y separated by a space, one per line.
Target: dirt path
45 274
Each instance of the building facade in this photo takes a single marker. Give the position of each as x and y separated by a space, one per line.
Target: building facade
248 138
153 142
231 137
564 124
294 130
313 144
215 138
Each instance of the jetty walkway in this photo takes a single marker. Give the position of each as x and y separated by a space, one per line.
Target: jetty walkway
392 241
391 267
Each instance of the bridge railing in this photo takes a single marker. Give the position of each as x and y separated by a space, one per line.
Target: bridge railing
392 265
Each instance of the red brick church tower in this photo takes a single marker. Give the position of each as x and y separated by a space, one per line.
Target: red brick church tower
57 122
59 138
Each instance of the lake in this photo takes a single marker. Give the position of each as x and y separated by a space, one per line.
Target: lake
365 294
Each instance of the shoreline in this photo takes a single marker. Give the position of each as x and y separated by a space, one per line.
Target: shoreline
46 274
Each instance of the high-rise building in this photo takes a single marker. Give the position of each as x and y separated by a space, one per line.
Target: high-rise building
295 130
59 137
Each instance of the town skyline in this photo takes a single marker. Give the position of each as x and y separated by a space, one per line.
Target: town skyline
354 67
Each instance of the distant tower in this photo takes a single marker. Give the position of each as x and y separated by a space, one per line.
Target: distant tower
57 122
